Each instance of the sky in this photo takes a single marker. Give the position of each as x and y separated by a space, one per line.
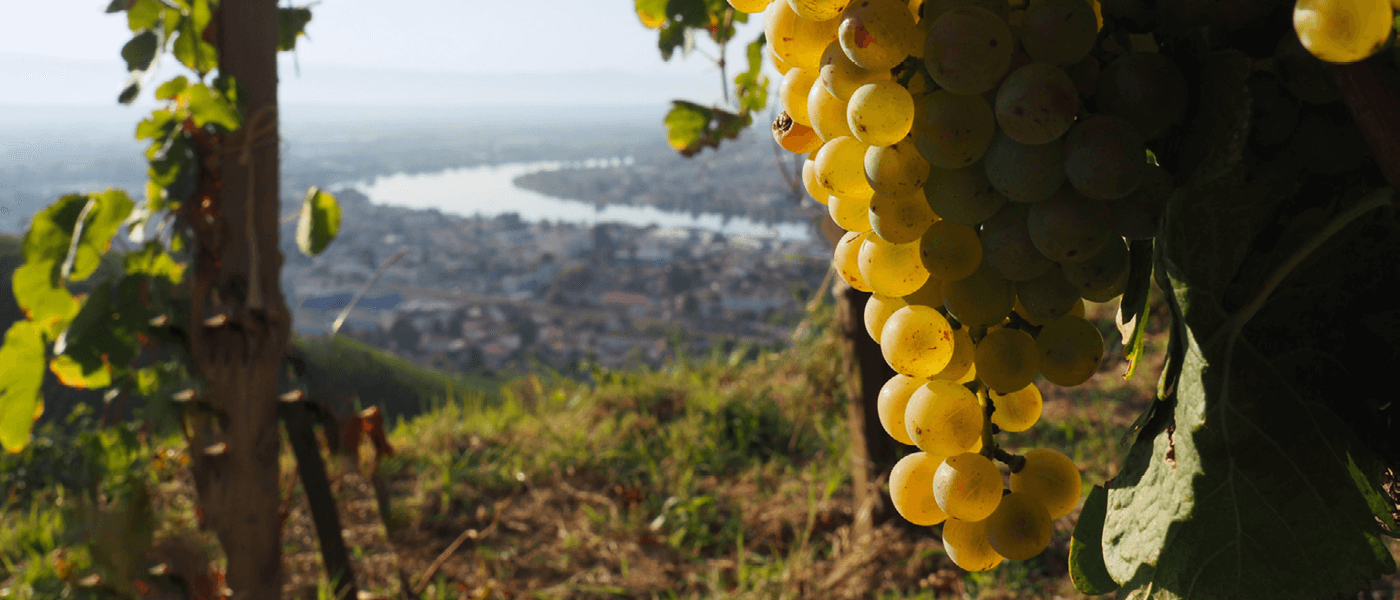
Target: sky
377 53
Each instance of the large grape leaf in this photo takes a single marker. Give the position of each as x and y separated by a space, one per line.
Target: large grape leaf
21 375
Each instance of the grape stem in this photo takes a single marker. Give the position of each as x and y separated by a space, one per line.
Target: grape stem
989 442
1014 461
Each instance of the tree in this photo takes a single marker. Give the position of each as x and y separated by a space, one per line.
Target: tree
1266 465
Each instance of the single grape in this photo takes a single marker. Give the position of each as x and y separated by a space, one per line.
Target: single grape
1007 359
846 258
962 196
917 341
818 10
950 251
935 8
1007 245
880 113
1077 311
1049 296
878 309
980 299
841 169
877 34
827 113
852 214
943 418
1059 32
967 486
891 269
1019 528
1343 31
809 182
953 131
930 294
1018 410
798 41
793 92
1104 157
1103 277
897 169
1050 477
1036 104
911 489
749 6
892 402
1145 88
795 137
966 544
964 354
1022 173
1139 215
900 219
841 77
968 50
778 63
1068 227
1071 349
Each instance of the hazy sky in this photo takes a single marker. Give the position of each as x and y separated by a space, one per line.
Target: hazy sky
445 52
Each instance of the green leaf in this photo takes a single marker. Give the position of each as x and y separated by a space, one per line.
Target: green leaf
159 126
78 376
109 210
143 14
751 86
116 6
318 223
692 13
1086 567
37 292
1220 129
691 128
104 332
672 36
1133 308
291 25
140 53
192 51
206 107
21 375
152 260
170 89
130 90
652 13
51 231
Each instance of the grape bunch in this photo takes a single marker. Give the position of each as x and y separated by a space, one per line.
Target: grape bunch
989 175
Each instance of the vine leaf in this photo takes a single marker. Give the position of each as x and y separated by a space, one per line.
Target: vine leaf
21 375
140 53
74 374
1086 567
207 107
291 25
751 86
318 223
1133 306
1220 129
190 48
652 13
170 89
691 128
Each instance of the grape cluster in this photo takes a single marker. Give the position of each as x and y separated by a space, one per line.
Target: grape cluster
989 175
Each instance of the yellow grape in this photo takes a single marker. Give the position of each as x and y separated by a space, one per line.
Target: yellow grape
1077 310
964 353
900 219
841 168
1018 410
1019 528
967 486
968 50
794 91
944 418
950 251
796 40
749 6
846 259
1059 32
897 169
911 489
877 34
880 113
953 131
852 214
1007 359
841 77
1070 350
1052 479
917 341
878 309
930 294
966 543
827 113
1343 31
818 10
981 299
963 196
809 181
891 269
935 8
893 401
778 63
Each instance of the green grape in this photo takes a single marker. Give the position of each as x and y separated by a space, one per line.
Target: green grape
1051 478
827 113
891 269
841 169
1077 311
1059 32
911 489
1020 527
1018 410
917 341
1007 359
1036 103
1139 215
798 41
878 309
809 181
967 486
964 355
900 219
897 169
794 91
852 214
877 34
749 6
1343 31
1049 296
968 50
943 418
891 404
1145 88
1103 277
981 299
930 294
950 251
1007 245
1024 173
935 8
963 196
1068 227
1071 349
841 77
846 258
966 544
953 131
818 10
1104 157
880 113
